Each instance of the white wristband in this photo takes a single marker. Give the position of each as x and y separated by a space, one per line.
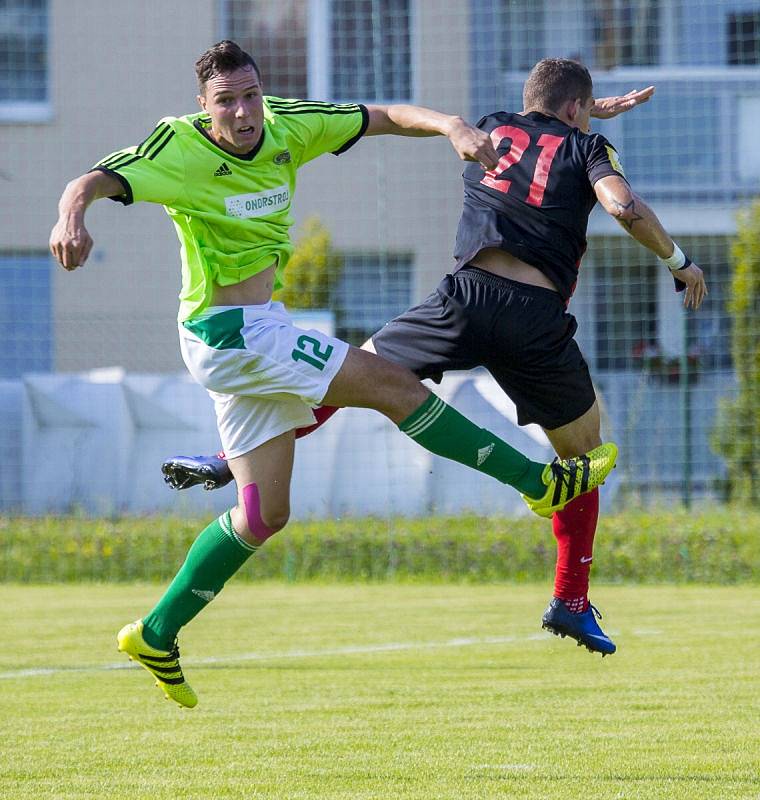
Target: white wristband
677 260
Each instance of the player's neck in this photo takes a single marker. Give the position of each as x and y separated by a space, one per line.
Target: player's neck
547 113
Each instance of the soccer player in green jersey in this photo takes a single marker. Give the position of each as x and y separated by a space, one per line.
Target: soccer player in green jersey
226 177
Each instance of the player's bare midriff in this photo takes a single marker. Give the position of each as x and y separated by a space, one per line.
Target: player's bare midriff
506 265
253 291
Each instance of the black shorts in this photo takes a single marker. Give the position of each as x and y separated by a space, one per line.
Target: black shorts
522 334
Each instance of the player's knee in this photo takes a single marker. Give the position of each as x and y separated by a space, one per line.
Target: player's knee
400 391
276 521
260 523
258 530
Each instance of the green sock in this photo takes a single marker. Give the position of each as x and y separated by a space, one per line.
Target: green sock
215 556
444 431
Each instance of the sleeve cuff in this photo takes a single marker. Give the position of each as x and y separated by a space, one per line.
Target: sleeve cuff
597 175
127 198
362 129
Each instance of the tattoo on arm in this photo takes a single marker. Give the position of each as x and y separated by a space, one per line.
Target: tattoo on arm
628 214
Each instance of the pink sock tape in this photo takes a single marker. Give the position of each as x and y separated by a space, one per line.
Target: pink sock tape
253 513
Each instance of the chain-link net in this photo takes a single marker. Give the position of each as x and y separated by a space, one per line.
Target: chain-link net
679 389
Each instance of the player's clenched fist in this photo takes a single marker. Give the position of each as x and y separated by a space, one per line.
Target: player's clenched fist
70 243
473 144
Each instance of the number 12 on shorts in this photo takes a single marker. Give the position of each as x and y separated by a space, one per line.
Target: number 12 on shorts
316 356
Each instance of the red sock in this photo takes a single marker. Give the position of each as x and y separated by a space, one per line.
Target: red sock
574 528
322 413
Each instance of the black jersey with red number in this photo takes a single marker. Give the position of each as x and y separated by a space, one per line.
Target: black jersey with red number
536 203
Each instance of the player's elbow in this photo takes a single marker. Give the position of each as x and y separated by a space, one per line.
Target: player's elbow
623 207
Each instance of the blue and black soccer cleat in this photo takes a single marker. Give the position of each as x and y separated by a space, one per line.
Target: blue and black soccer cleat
581 627
182 472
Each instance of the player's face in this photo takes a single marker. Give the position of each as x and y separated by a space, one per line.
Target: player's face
235 103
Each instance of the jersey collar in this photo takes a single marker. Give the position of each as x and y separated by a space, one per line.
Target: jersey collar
249 156
539 116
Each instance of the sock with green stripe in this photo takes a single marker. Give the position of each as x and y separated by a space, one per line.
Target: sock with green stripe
444 431
215 556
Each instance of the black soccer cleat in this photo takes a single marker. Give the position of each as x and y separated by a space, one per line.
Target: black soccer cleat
182 472
581 627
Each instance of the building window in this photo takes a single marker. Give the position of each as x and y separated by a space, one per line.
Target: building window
624 301
744 38
521 33
710 331
327 49
23 60
624 311
676 159
373 288
747 114
626 34
370 50
25 314
274 33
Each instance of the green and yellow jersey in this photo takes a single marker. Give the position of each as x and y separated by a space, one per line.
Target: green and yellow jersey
231 212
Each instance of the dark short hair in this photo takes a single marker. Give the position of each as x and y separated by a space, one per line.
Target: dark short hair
554 81
224 56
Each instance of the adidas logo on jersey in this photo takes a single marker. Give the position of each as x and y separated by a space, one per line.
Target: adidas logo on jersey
223 170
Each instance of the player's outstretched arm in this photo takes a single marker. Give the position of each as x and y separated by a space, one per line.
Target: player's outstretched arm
70 243
608 107
630 211
470 143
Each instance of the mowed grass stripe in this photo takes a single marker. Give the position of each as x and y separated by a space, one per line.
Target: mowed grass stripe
671 715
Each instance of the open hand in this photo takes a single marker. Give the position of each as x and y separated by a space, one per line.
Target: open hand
696 288
608 107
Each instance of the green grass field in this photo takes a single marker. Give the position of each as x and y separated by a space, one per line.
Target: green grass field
384 691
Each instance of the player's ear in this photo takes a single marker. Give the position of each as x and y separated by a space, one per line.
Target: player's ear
201 101
573 108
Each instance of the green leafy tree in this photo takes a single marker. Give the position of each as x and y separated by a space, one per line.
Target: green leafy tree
313 271
737 434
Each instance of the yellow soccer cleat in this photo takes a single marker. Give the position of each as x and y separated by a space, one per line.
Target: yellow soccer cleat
568 478
162 664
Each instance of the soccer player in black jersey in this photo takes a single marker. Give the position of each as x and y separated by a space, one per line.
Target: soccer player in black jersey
518 248
519 244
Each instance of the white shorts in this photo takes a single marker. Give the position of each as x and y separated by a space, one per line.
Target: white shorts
263 373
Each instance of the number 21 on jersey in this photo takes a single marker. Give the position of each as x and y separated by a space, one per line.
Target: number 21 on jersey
520 143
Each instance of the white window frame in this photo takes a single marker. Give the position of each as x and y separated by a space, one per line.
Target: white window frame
30 111
320 55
